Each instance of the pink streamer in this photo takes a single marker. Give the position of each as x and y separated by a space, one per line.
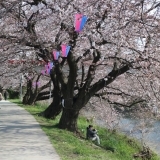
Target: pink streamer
78 18
63 50
55 55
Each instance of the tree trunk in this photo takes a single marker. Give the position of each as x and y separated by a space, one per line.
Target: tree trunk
68 119
33 93
54 108
28 92
25 99
32 99
70 113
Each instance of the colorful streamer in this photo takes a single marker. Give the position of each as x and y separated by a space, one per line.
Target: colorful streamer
65 50
48 68
83 22
78 18
50 65
48 71
55 55
80 21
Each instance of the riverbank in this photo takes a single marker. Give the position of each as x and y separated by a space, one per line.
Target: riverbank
145 127
114 146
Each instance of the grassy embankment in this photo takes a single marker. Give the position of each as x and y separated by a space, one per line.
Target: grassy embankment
114 146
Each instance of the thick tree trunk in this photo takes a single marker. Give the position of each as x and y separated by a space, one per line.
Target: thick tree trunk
32 99
54 108
33 93
28 93
25 99
70 113
68 119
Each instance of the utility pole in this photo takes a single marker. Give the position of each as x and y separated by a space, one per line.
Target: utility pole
21 88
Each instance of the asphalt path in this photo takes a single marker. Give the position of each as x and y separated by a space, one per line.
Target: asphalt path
21 137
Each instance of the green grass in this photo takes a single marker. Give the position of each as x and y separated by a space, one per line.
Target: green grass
69 146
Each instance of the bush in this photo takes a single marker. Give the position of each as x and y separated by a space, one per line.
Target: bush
12 94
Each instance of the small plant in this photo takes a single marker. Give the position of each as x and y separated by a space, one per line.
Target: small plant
145 154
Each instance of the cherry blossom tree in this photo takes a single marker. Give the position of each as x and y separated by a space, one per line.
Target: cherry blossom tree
118 43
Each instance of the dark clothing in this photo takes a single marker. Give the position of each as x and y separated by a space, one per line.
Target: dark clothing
5 95
90 133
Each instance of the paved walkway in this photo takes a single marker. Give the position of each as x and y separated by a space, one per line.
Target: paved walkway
21 137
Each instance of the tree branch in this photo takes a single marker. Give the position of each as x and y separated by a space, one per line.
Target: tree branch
110 78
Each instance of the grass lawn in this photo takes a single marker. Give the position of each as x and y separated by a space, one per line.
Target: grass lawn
114 146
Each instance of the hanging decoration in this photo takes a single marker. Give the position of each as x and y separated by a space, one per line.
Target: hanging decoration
55 55
65 50
50 65
80 21
77 22
47 69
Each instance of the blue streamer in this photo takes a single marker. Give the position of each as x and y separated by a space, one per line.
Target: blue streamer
83 22
67 50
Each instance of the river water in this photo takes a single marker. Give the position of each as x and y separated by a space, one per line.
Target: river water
145 132
150 133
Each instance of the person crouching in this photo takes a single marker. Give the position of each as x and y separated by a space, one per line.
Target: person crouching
92 134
